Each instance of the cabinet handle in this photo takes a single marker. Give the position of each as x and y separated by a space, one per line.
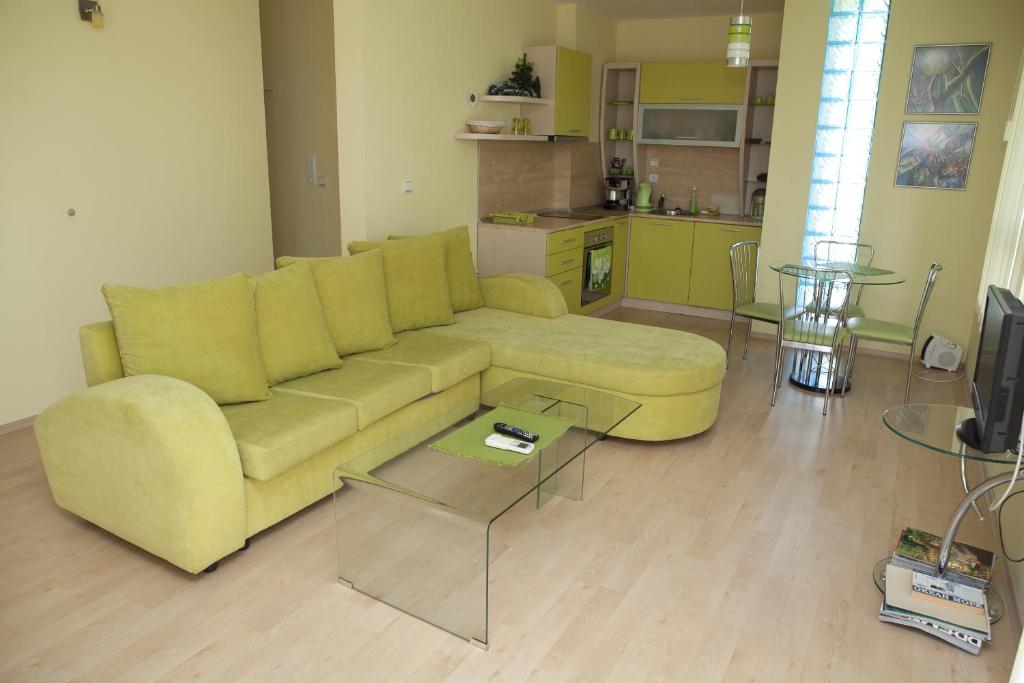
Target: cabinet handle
574 130
685 137
566 283
662 225
568 240
728 230
568 261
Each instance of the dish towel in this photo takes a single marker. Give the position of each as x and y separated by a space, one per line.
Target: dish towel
468 441
600 268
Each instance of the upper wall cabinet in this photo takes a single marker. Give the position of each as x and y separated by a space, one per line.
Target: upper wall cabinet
691 83
565 75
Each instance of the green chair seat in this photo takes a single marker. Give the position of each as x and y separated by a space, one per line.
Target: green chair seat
881 330
758 311
805 331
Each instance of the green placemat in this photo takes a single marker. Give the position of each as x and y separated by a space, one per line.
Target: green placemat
856 269
468 441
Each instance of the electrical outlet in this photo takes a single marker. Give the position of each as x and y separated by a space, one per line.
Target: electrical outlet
652 177
321 180
408 186
653 163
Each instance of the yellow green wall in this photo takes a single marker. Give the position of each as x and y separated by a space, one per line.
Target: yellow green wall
152 129
692 38
908 227
298 72
403 71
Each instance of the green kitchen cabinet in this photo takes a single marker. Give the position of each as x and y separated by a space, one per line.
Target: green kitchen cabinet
691 83
570 283
620 247
710 274
572 92
659 260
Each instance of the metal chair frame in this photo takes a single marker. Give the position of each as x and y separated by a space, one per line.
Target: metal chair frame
827 294
743 261
860 249
929 284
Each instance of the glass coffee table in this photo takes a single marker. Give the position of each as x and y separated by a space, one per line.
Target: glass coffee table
413 530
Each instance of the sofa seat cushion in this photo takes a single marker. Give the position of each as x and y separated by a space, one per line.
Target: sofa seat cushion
375 389
448 359
275 435
605 354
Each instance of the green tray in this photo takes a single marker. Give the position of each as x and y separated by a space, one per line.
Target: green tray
514 217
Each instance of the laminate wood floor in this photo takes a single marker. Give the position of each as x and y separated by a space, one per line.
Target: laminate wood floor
741 554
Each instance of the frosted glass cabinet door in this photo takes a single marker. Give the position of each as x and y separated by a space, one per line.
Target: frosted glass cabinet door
710 125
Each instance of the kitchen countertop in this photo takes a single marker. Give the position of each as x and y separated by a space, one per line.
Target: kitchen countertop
549 224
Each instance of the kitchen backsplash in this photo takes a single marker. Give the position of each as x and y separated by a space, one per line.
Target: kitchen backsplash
518 176
714 170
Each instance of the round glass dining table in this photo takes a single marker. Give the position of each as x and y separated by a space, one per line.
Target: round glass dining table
811 369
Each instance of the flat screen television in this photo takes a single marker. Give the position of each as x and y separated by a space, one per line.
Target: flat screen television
996 394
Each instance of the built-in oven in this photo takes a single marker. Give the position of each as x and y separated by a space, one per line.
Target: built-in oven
597 264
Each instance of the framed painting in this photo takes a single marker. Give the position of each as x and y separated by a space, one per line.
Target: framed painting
935 155
948 79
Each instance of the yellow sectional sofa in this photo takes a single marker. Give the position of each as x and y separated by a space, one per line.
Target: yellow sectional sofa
155 461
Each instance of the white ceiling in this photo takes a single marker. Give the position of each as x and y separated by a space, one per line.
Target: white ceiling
661 9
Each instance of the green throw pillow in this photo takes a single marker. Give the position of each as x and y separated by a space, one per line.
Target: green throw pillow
203 333
294 338
417 282
463 283
354 298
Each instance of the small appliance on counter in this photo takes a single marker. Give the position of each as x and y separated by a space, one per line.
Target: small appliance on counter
616 192
757 203
643 197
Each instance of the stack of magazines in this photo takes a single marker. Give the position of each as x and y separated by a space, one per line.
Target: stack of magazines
951 606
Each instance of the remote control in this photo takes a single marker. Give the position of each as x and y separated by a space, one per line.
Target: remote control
515 432
508 444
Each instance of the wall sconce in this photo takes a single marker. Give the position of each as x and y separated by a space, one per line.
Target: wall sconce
90 10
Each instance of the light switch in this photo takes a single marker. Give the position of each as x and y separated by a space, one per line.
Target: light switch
407 186
652 177
653 163
311 169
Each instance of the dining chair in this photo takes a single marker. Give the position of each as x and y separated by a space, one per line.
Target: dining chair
893 333
743 258
821 295
828 252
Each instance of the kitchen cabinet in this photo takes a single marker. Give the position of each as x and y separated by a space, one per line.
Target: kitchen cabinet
572 92
619 252
570 283
710 274
564 76
660 253
707 125
691 82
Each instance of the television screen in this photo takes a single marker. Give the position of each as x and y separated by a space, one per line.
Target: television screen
998 405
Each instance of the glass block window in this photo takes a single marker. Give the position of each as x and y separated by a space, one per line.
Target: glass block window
846 119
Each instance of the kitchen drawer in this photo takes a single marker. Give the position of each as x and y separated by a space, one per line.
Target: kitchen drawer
565 240
563 261
710 274
570 283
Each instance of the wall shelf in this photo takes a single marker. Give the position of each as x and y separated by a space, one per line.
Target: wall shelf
493 136
513 99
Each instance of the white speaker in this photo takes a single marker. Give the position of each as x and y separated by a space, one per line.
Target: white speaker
939 352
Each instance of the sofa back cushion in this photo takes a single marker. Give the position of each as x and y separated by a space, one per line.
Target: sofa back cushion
354 299
294 339
203 333
463 283
417 281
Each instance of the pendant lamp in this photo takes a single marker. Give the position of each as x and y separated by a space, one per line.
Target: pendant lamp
737 51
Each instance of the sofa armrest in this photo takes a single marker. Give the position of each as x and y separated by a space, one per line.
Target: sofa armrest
150 459
524 293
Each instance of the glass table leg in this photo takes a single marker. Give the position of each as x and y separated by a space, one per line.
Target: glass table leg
415 555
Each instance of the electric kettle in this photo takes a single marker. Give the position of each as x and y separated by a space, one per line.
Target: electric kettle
643 197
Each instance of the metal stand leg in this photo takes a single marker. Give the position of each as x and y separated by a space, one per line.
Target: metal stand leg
963 482
728 347
996 608
746 337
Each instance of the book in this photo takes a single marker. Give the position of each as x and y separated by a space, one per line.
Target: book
965 641
900 598
919 551
947 589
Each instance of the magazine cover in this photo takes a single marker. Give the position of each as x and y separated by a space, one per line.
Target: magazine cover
963 559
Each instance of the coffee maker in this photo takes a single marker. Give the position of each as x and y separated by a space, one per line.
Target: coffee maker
617 191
